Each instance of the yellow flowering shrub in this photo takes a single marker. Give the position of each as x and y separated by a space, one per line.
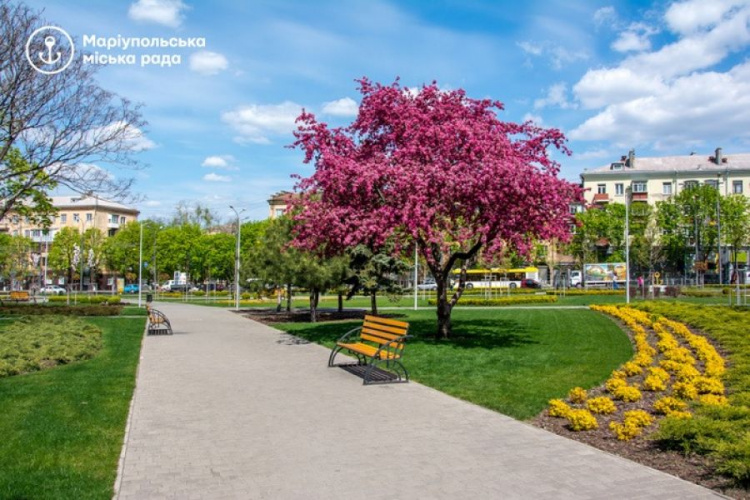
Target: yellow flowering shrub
619 374
558 408
668 405
708 385
670 366
655 384
613 384
667 343
581 420
627 393
685 390
686 373
631 369
625 432
643 359
638 417
714 400
659 373
679 354
577 395
601 405
684 415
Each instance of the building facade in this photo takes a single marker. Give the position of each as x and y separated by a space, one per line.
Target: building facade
278 204
656 179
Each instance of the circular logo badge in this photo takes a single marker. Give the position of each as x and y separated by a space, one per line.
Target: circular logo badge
50 50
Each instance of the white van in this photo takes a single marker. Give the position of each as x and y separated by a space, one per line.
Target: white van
576 279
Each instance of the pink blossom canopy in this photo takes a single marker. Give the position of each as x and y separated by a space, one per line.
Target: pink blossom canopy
431 166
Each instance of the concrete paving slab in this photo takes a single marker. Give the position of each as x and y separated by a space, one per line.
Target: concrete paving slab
230 408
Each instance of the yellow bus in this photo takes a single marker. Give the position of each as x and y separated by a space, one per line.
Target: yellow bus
497 277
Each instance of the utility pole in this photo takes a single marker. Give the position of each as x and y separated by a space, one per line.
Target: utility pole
416 272
237 262
718 226
140 266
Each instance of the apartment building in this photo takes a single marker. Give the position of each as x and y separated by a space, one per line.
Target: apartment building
654 179
80 212
278 204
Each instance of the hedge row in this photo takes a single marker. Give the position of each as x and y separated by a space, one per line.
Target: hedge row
61 310
503 301
575 292
87 299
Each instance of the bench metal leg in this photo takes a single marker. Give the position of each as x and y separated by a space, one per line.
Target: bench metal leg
334 352
397 370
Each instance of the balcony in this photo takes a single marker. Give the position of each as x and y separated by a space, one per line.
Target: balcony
640 197
601 198
113 225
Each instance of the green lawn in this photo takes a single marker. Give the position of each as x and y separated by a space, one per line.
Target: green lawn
512 361
62 429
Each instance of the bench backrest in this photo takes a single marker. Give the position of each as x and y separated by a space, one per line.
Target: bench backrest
19 295
382 330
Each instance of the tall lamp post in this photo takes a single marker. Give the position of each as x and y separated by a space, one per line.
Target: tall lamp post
628 192
140 266
718 224
237 262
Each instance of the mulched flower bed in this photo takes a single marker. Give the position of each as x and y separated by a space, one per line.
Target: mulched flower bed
270 316
642 449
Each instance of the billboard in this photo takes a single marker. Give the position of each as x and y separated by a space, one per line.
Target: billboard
604 273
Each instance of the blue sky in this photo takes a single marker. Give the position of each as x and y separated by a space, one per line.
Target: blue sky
661 77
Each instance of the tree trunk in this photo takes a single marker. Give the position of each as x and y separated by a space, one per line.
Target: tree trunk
374 303
341 302
313 306
288 297
444 309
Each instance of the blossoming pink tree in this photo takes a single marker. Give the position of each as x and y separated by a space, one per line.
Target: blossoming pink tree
435 168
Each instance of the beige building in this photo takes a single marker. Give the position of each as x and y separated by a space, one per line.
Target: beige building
655 179
278 204
81 212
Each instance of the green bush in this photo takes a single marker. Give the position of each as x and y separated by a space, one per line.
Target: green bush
32 344
502 301
576 292
199 293
61 309
720 432
86 299
698 292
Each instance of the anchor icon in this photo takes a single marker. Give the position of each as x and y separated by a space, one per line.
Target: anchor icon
49 42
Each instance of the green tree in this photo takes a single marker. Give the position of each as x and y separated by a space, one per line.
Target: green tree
735 222
24 189
14 258
63 251
372 272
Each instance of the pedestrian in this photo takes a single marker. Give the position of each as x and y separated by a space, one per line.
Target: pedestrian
640 286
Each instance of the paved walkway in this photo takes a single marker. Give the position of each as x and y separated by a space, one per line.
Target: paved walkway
230 408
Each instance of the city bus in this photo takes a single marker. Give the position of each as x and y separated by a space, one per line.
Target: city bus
496 277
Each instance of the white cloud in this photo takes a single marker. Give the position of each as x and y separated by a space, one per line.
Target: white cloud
605 16
152 203
557 55
166 12
675 94
341 107
632 41
593 154
536 119
223 162
692 15
128 137
557 95
208 63
212 177
255 122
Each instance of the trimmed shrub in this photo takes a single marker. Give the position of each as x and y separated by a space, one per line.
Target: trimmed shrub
60 310
32 344
503 301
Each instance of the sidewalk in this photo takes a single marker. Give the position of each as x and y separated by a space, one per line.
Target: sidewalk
230 408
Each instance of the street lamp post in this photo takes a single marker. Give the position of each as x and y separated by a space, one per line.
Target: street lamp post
718 225
237 262
140 266
627 244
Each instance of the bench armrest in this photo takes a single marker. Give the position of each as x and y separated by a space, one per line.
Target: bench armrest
347 334
397 340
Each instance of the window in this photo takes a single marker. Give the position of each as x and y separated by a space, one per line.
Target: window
619 189
114 219
15 219
691 184
28 233
574 209
616 166
572 229
122 220
640 186
63 218
601 188
76 218
89 217
666 188
36 233
737 187
279 212
712 183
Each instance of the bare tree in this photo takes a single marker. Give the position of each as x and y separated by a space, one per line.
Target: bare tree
62 124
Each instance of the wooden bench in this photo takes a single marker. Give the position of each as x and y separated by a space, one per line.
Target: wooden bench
20 296
379 343
158 324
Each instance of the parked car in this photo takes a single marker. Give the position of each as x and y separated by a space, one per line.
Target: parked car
53 290
427 284
530 283
131 288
